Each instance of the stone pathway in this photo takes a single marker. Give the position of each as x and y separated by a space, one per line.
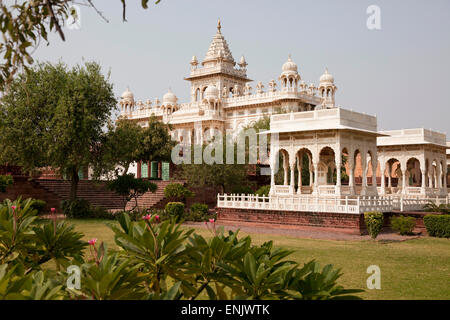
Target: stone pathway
308 232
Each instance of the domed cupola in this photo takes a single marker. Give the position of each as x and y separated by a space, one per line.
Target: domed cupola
326 78
327 90
289 76
211 93
127 102
127 95
170 98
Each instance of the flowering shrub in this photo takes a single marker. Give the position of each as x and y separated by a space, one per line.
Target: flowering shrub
157 260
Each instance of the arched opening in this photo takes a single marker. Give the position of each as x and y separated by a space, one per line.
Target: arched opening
394 176
282 176
326 173
304 171
197 94
413 173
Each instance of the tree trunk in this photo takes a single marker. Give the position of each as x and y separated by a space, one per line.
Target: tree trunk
74 184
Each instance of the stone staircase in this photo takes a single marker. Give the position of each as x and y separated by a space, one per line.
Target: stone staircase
99 196
94 192
153 200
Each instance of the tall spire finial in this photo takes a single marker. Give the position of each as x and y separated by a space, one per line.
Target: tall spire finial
219 25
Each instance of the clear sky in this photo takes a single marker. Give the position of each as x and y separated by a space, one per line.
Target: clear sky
400 73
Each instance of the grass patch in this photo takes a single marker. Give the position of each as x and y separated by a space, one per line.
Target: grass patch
413 269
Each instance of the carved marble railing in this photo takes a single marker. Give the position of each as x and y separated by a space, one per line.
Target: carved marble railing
340 204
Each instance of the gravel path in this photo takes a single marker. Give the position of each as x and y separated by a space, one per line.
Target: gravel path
307 232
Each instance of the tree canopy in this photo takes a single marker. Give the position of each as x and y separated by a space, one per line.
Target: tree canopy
53 116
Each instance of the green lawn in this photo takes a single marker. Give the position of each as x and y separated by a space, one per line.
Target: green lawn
413 269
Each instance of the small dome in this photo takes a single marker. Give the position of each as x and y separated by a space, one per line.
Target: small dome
326 77
194 59
242 61
170 98
211 92
290 66
127 95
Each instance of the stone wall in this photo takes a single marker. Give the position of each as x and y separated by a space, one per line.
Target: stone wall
349 223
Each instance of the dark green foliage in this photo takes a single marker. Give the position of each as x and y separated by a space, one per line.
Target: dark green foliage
374 223
177 191
76 209
198 212
38 205
263 191
5 181
53 116
242 189
176 210
438 225
403 225
129 188
82 209
432 207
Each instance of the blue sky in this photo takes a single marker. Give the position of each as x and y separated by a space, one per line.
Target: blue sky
400 73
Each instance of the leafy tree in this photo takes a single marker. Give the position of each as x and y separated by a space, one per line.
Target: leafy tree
24 24
129 188
53 116
127 142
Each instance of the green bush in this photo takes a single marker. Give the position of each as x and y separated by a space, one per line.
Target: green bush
374 223
38 205
177 191
263 191
5 181
438 225
198 212
403 225
175 209
241 189
82 209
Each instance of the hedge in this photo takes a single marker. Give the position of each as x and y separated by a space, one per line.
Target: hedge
374 222
438 225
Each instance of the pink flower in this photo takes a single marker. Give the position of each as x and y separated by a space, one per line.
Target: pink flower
211 220
146 217
92 241
53 210
13 207
156 218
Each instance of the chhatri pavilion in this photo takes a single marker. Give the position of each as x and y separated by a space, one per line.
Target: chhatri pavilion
380 166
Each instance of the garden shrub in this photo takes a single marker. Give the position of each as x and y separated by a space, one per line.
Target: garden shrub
437 225
263 191
38 205
432 207
374 222
175 209
198 212
177 191
403 225
5 181
82 209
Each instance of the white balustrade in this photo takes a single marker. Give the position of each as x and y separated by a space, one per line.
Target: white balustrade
336 204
